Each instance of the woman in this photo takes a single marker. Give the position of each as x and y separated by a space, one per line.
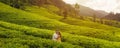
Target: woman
57 36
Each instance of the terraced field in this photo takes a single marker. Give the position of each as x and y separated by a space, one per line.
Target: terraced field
34 29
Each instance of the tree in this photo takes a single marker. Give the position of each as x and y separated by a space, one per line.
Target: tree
65 14
77 10
77 6
94 18
101 20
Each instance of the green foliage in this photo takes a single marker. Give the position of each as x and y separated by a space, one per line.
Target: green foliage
77 6
70 20
107 31
34 34
15 3
20 38
24 18
52 8
41 24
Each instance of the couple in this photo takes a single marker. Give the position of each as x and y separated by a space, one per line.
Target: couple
57 36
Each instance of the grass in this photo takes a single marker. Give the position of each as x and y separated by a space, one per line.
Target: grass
25 32
69 20
20 17
34 29
15 38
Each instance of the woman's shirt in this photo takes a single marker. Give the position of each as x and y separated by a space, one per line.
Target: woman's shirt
55 36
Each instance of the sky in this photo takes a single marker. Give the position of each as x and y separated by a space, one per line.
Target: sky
105 5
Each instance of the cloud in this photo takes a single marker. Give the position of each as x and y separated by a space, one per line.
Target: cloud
117 9
70 1
82 1
106 5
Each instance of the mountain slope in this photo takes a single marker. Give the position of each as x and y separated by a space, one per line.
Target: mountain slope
25 18
23 34
112 16
20 38
41 28
51 15
86 11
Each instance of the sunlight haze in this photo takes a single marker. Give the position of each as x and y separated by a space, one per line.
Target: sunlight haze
105 5
70 1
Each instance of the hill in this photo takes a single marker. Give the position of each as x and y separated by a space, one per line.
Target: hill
30 37
39 21
34 26
86 11
21 36
112 16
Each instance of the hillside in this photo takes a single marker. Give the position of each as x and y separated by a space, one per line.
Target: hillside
34 26
112 19
78 22
86 11
28 37
112 16
23 37
24 18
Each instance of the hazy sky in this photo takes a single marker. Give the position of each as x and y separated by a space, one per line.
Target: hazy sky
106 5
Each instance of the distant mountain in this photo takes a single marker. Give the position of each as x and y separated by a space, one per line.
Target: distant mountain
112 16
103 13
86 11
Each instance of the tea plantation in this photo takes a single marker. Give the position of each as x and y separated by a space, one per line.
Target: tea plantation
34 27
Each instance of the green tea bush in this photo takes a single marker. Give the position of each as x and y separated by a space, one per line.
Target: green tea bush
30 19
87 42
16 39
